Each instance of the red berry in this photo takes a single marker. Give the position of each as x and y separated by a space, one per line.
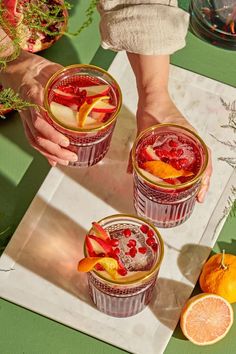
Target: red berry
99 267
132 252
173 143
183 162
122 271
176 164
150 241
144 228
150 233
116 251
127 232
131 243
89 100
155 247
114 242
100 255
179 152
173 153
142 250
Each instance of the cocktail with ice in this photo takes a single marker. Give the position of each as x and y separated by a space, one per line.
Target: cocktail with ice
123 257
82 102
168 162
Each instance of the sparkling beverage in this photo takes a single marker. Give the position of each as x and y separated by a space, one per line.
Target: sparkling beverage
168 163
138 249
82 102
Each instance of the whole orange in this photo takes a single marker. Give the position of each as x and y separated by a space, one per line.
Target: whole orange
219 276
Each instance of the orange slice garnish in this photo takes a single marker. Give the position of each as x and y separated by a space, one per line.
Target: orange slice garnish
164 170
86 108
109 264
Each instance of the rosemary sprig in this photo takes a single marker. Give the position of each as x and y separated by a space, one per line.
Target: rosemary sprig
13 46
11 100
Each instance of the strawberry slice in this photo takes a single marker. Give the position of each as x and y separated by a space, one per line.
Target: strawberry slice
100 231
109 264
164 170
96 90
96 245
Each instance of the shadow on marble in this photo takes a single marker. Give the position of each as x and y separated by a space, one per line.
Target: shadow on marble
191 259
168 299
53 250
109 180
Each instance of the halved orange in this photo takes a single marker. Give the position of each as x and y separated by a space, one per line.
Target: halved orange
206 318
109 264
86 108
164 170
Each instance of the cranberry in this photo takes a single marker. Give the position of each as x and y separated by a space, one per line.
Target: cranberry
131 243
173 143
132 252
179 152
116 251
155 247
173 153
99 267
114 242
142 250
122 271
144 228
150 241
150 233
183 162
101 255
127 232
89 100
176 164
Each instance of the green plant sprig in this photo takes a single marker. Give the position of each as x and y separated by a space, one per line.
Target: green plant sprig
89 12
13 46
11 100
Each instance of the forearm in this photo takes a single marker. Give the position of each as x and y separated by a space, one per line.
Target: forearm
151 73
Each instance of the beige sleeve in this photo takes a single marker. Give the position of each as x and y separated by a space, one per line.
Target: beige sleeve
153 27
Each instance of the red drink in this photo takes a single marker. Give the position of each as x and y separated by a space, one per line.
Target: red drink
168 162
137 249
82 102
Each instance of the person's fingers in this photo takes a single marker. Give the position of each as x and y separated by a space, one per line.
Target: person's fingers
49 132
205 181
51 158
52 163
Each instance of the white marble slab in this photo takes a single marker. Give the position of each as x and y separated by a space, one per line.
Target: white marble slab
38 268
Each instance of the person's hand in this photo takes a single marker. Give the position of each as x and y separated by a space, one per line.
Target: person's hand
28 76
159 108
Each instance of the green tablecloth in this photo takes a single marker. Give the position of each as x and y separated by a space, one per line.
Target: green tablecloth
22 171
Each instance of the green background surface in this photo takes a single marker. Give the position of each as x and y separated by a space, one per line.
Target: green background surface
22 171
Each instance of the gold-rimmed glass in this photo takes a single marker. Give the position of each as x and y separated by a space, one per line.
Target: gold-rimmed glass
163 204
127 295
90 144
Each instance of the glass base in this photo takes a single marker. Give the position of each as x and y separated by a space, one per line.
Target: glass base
123 301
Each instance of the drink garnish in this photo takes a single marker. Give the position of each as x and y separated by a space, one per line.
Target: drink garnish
86 108
109 264
164 170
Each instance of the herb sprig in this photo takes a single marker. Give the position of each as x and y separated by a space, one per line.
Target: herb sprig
11 100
